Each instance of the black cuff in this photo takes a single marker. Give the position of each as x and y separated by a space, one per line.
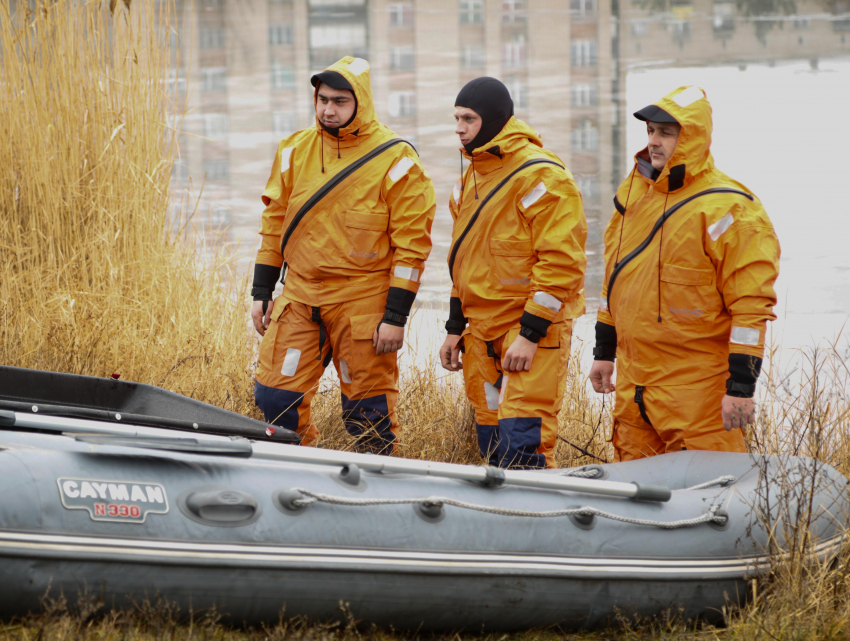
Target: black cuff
539 325
526 332
606 342
400 300
396 320
744 370
265 279
457 321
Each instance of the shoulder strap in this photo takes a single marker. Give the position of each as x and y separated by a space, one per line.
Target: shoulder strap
487 198
658 223
325 189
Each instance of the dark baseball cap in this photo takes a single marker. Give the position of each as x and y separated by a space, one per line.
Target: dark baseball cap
332 79
654 113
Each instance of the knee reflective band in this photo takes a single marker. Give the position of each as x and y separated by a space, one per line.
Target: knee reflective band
641 406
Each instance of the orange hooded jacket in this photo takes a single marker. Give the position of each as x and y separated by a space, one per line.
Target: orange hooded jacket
370 234
687 291
522 258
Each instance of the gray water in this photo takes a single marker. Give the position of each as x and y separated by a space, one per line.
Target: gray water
778 78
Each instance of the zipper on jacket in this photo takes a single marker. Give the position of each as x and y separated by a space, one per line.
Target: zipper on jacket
658 223
325 189
487 198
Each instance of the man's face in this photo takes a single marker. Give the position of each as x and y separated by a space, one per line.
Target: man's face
468 124
334 107
663 137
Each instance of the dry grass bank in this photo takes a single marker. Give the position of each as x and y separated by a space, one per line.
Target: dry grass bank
92 281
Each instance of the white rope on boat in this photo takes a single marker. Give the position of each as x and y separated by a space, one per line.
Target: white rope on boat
722 480
436 501
582 474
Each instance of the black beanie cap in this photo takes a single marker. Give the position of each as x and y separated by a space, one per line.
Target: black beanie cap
491 100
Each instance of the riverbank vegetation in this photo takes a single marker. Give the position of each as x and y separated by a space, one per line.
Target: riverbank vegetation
97 278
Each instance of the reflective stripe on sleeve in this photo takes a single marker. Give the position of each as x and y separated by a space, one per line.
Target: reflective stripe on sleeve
401 168
744 336
285 153
410 273
343 372
547 300
716 230
603 304
534 195
456 191
290 362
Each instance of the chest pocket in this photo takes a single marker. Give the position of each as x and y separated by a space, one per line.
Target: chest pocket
689 296
366 240
512 263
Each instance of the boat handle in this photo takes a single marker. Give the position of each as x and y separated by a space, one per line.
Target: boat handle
222 506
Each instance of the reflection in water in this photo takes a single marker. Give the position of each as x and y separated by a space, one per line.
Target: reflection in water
565 62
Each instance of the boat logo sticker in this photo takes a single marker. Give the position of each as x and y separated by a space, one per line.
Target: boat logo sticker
117 501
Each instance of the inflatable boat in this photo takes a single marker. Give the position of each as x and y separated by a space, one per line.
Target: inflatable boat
125 499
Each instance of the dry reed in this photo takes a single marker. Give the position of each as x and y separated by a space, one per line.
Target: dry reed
92 281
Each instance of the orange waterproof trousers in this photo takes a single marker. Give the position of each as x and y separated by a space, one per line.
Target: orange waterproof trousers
298 345
675 418
516 413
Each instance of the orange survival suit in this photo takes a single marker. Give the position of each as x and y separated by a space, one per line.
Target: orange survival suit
690 262
352 209
517 265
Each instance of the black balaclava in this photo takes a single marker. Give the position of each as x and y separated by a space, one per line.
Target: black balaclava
491 100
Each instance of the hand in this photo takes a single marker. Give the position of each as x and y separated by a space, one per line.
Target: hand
737 412
387 338
261 321
600 377
519 355
450 354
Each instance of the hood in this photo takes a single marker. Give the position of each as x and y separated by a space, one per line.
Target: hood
514 136
357 72
692 156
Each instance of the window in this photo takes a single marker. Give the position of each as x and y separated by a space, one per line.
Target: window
283 124
282 77
588 186
401 14
342 36
724 16
211 38
472 57
583 8
216 126
402 103
280 34
583 53
639 28
519 92
402 58
680 28
583 96
216 169
176 81
513 11
585 136
213 79
513 53
472 11
800 23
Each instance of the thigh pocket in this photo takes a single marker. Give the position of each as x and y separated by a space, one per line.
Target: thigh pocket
366 239
364 363
512 261
540 384
689 295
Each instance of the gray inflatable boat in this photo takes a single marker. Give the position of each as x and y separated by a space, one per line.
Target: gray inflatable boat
253 525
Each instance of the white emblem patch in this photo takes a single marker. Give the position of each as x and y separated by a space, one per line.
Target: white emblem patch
688 97
118 501
534 195
358 66
401 168
290 362
492 396
343 372
716 230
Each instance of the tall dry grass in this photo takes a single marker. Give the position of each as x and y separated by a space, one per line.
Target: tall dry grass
93 281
